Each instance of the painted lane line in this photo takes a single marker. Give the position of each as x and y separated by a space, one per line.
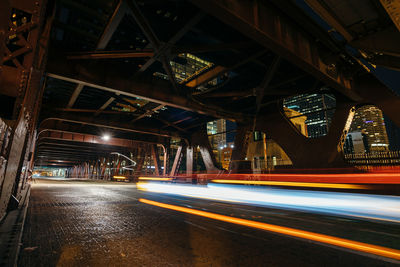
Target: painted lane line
336 241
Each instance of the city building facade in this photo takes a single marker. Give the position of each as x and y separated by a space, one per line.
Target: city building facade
317 108
368 120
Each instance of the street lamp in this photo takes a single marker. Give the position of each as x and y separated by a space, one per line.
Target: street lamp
106 137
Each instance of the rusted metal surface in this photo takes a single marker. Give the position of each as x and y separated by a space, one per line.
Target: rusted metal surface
75 95
276 32
14 163
189 160
24 57
330 18
109 124
307 152
112 54
156 159
154 91
393 9
200 139
177 162
241 144
4 24
113 22
87 138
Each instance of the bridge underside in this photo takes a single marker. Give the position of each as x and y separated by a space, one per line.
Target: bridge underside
151 74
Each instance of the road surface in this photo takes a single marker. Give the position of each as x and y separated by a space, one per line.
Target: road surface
72 223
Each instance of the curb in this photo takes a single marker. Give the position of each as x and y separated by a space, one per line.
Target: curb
11 231
24 212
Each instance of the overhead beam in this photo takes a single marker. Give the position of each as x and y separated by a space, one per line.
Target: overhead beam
127 127
154 41
104 106
112 25
219 70
177 36
147 113
196 49
75 95
390 62
266 81
392 8
281 35
385 42
93 111
111 54
114 79
86 138
330 18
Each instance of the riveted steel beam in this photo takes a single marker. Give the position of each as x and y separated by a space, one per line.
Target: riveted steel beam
281 35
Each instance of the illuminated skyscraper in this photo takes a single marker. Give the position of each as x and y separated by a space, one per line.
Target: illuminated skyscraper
217 130
369 120
318 108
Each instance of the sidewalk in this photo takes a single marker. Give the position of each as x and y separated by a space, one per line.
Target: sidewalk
11 229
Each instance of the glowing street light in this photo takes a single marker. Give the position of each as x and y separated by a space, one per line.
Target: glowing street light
106 137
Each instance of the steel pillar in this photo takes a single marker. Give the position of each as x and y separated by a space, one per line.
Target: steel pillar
304 152
156 159
189 160
200 138
177 161
238 159
21 79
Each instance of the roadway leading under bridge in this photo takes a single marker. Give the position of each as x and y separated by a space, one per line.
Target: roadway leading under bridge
120 89
109 224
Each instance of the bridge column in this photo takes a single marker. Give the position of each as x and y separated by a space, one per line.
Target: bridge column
238 159
200 138
177 162
304 152
156 159
21 70
189 160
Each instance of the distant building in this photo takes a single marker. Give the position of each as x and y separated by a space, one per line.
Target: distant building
318 109
356 143
217 132
186 66
369 121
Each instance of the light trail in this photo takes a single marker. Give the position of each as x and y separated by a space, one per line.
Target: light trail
156 178
362 206
295 184
340 178
326 239
119 177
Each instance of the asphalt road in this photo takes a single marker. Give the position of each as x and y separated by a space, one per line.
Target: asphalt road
104 224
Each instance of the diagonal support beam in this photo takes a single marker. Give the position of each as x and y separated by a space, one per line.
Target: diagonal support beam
219 70
267 80
147 113
154 41
104 106
277 32
112 25
196 19
75 95
114 79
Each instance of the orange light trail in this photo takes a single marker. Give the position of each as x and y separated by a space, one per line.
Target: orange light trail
155 178
336 241
297 184
342 178
119 177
